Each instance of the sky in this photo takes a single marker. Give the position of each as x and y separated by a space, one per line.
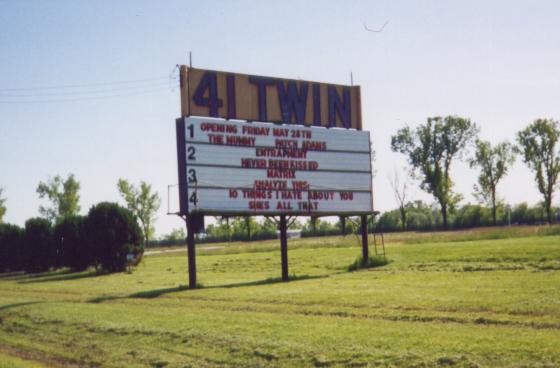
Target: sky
493 62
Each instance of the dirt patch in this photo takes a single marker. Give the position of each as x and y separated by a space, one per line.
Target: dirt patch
43 358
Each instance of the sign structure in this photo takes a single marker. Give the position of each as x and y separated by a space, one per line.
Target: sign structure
239 168
256 98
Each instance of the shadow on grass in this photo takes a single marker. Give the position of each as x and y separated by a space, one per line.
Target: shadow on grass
13 276
15 305
21 275
64 275
271 280
150 294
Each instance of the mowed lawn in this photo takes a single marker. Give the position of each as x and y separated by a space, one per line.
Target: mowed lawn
443 300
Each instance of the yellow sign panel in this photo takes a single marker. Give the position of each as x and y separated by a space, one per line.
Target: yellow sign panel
256 98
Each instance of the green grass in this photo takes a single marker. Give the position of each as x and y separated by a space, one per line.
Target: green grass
445 299
8 361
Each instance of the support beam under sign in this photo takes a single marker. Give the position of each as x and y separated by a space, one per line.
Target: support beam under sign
284 247
365 250
191 253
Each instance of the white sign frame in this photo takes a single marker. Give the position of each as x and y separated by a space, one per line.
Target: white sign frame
322 171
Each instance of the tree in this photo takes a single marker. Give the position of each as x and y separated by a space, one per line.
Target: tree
39 252
115 236
10 247
250 226
342 225
313 224
64 197
431 149
494 163
143 203
2 206
538 146
176 235
223 221
72 242
400 191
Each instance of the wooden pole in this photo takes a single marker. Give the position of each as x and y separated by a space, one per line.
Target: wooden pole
365 250
284 247
191 254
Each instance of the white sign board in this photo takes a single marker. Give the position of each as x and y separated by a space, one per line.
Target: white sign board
232 167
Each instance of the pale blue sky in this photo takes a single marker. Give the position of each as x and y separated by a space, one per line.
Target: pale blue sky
495 62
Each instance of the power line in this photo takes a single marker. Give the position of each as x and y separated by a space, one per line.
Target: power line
84 98
96 91
85 85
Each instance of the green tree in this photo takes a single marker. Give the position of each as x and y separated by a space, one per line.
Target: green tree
400 191
176 235
143 203
114 235
39 250
64 197
10 248
538 146
430 150
224 224
72 243
494 163
295 225
250 226
2 206
311 225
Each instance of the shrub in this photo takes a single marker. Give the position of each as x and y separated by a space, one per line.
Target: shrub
374 261
72 242
10 248
472 216
39 252
114 235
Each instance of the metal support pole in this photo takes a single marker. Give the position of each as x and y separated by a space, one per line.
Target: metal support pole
191 254
284 247
365 250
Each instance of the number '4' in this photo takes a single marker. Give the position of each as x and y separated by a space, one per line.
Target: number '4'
193 199
209 83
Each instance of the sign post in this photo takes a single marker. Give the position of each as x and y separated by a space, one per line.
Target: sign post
191 253
284 247
365 249
260 146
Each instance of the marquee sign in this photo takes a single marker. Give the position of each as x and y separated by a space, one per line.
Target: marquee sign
256 98
233 167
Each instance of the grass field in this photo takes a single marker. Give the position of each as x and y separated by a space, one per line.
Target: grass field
475 298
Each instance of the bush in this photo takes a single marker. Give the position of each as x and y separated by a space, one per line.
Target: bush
39 252
322 228
472 216
114 235
375 261
390 221
72 242
10 248
523 214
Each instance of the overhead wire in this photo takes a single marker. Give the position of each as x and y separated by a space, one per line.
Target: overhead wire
82 85
86 91
86 98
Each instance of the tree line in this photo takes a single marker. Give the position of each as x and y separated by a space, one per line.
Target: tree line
430 150
432 147
248 228
109 238
421 216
